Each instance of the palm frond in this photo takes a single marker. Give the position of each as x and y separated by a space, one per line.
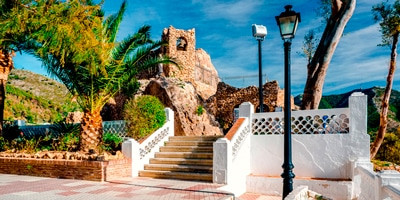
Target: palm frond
142 53
129 44
113 22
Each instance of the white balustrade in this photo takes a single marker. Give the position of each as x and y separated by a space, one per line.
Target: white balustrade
324 121
231 160
241 134
382 185
140 153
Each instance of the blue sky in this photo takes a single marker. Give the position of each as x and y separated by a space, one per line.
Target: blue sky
223 29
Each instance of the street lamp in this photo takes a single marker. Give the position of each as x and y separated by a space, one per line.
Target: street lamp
259 32
287 22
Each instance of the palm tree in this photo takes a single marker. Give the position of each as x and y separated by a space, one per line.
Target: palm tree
24 24
6 54
111 66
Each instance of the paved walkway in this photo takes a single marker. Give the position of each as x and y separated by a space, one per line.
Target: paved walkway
17 187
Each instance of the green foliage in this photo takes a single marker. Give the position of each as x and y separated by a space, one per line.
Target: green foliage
21 104
3 144
309 45
66 142
111 142
390 148
324 104
145 115
388 17
15 77
109 67
66 136
200 110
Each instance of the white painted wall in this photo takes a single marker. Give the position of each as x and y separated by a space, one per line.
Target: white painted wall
315 155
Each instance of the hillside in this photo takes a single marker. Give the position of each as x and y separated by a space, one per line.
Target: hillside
374 100
36 98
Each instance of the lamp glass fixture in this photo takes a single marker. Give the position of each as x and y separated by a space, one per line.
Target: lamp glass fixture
287 22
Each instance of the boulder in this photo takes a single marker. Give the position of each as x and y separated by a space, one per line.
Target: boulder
182 98
206 76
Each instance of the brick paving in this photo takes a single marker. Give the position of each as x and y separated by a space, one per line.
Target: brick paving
252 196
17 187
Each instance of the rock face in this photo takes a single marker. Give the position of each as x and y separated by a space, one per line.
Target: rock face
74 117
222 104
183 99
195 65
206 76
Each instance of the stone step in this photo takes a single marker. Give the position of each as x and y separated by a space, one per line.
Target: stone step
179 168
183 155
182 161
190 143
186 149
194 138
176 175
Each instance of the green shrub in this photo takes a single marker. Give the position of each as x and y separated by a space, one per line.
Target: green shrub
111 142
200 110
145 114
390 148
66 136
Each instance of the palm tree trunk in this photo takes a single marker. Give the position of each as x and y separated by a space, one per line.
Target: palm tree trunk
385 100
316 70
6 65
91 131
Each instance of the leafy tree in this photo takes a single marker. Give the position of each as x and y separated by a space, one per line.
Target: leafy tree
389 21
340 13
309 46
23 23
6 54
96 74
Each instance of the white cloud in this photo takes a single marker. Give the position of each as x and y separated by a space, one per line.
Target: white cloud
237 12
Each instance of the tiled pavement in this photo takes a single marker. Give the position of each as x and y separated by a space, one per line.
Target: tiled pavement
17 187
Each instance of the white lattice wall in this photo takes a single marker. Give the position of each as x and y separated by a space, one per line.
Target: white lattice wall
324 142
325 121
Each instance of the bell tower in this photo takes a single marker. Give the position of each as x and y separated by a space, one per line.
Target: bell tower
182 48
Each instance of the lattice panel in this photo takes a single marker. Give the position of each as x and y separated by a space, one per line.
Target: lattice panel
311 124
117 127
268 126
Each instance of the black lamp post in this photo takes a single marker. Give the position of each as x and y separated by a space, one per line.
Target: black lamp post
287 22
259 32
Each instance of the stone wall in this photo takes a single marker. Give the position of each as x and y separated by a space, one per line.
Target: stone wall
222 104
70 169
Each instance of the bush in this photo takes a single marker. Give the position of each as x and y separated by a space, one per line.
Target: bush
145 114
111 142
66 136
390 148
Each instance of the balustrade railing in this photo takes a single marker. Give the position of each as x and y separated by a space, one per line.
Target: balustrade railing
232 153
324 121
368 183
240 135
141 151
378 185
